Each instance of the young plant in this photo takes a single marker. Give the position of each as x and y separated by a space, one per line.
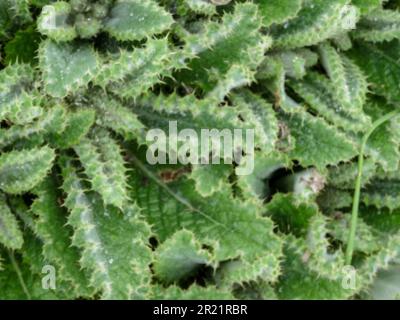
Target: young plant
84 83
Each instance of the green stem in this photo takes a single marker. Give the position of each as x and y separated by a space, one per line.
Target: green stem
19 274
357 192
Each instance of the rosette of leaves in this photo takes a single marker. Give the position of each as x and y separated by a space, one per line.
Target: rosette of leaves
308 76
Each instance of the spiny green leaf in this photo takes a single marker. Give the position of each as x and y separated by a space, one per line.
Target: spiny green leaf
344 175
217 221
179 257
51 122
383 145
137 19
20 10
384 220
299 282
17 103
379 25
10 233
317 21
382 260
278 11
114 246
266 220
294 63
77 125
66 67
234 41
275 83
292 215
20 171
331 199
367 5
38 267
102 159
256 111
383 191
23 47
322 260
382 68
317 143
154 112
349 83
201 6
320 95
366 239
132 73
11 288
210 178
240 272
51 227
237 76
114 115
256 291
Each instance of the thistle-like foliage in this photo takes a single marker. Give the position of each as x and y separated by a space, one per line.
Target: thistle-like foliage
63 21
311 134
76 125
379 25
367 239
318 92
321 260
113 248
253 186
123 75
66 67
278 11
221 46
231 227
102 159
209 180
380 64
20 171
135 20
51 228
383 191
84 82
10 233
179 257
317 21
17 105
52 122
347 79
299 282
201 6
112 114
